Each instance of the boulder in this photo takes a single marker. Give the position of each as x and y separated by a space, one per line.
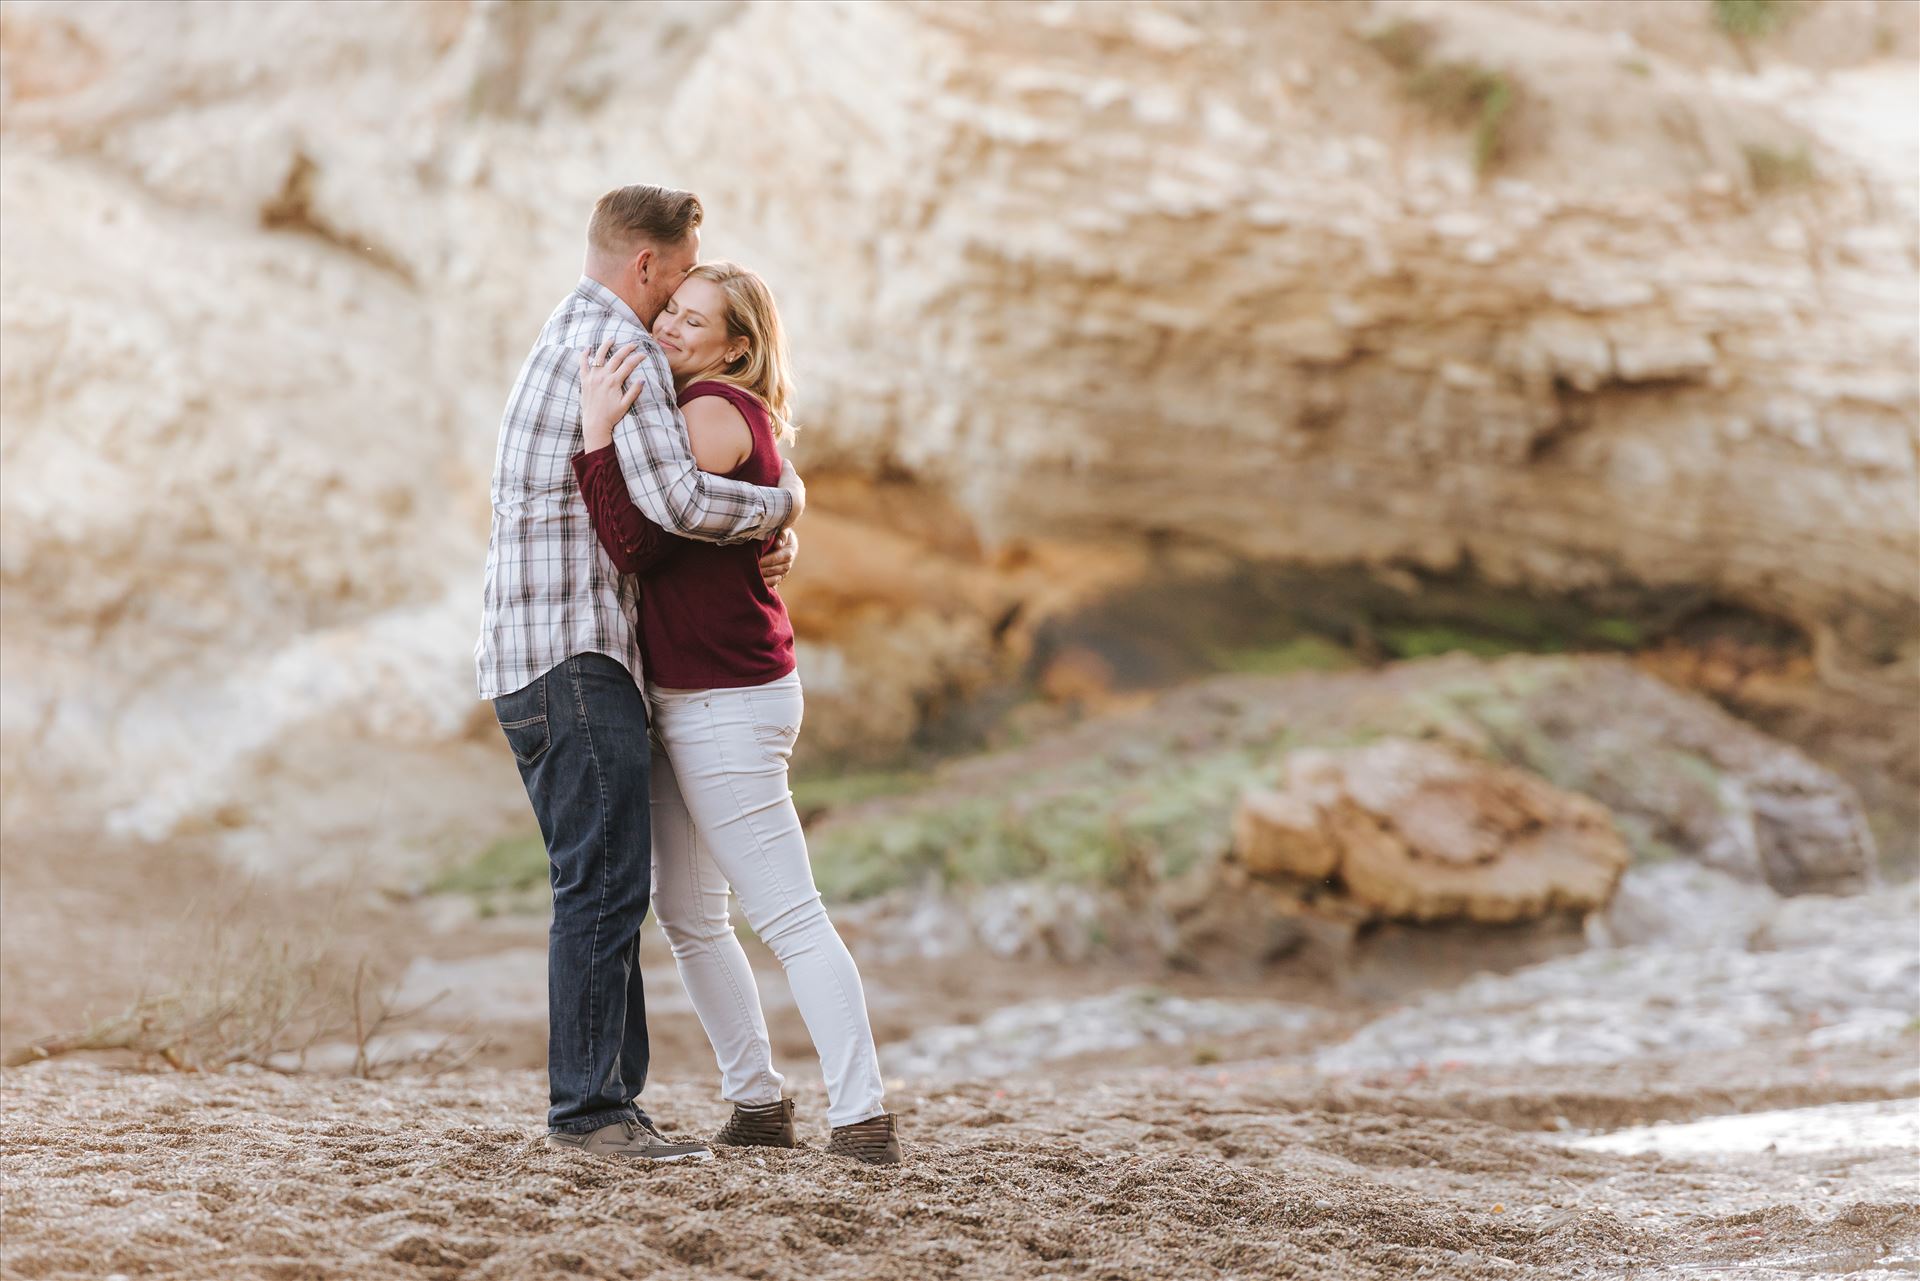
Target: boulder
1682 778
1407 830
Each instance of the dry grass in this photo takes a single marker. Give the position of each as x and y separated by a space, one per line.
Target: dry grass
261 1000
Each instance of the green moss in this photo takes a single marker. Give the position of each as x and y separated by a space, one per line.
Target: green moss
1772 169
1427 641
819 792
1466 93
1514 616
1184 819
861 859
1460 92
1090 822
1300 654
1495 697
515 865
1751 19
1513 714
1490 130
1698 769
1621 632
1648 848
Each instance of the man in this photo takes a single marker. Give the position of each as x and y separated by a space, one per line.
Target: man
560 657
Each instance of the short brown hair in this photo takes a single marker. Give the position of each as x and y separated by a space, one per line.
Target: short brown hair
641 212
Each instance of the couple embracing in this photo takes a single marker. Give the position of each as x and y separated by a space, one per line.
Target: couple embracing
640 661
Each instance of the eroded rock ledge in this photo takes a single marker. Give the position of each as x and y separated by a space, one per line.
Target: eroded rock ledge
1093 276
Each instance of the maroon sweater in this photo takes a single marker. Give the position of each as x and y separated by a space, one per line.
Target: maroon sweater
708 620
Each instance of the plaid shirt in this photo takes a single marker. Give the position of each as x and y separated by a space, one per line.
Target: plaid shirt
551 592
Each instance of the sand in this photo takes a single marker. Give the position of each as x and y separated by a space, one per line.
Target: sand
1253 1170
1086 1122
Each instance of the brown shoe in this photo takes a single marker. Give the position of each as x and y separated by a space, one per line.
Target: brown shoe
875 1142
630 1140
765 1125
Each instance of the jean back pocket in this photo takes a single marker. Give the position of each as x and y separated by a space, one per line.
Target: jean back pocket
523 719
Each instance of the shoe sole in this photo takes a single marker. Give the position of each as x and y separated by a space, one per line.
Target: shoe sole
705 1154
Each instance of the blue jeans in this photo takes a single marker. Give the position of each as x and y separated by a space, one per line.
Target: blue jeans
579 735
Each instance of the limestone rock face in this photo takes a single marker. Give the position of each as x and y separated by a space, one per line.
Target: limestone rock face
1092 276
1413 831
1261 303
1680 776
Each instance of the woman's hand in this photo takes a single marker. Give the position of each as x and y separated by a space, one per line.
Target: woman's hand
604 395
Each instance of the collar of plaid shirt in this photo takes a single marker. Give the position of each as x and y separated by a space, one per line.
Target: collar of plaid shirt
593 291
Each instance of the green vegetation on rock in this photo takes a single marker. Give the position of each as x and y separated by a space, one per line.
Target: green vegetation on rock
1522 717
1751 19
1135 798
1773 169
1457 91
1623 632
1098 826
514 865
1427 642
1467 93
1300 654
828 790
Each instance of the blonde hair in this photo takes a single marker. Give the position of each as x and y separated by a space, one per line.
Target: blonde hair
765 370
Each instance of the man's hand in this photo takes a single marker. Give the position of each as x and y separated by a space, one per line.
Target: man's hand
778 562
791 482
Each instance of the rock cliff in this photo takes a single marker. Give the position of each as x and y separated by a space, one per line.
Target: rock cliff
1566 294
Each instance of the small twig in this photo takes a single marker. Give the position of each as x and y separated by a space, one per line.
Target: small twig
360 1033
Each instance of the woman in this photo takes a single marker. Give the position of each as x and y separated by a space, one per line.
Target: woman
726 708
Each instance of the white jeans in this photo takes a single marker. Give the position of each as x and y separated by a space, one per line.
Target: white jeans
722 815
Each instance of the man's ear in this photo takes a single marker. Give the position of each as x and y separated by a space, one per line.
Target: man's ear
643 263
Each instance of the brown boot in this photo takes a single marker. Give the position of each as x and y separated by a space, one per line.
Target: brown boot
765 1125
875 1141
